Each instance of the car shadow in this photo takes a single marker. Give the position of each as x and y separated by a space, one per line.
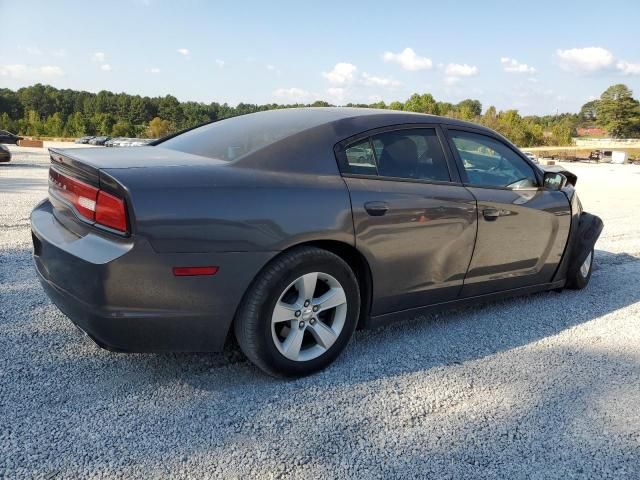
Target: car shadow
195 394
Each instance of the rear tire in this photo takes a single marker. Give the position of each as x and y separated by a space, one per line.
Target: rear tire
299 313
580 276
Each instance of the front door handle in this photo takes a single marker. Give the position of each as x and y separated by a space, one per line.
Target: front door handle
376 209
490 214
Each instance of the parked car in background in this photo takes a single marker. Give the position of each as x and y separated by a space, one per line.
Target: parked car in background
113 142
84 140
289 228
98 140
140 142
532 157
9 138
5 154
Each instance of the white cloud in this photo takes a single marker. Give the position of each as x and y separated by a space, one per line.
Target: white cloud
589 59
51 71
455 71
408 59
271 67
154 70
28 71
341 74
220 63
511 65
460 70
98 57
336 94
13 71
372 80
33 51
292 94
184 52
628 68
106 67
60 53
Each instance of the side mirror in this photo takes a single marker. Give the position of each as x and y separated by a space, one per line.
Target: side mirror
554 181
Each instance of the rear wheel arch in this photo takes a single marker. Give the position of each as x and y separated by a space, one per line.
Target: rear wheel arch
360 267
351 255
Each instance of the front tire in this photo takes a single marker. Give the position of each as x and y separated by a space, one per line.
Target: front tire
579 278
299 313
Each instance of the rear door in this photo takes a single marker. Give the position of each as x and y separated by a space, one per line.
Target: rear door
522 228
414 221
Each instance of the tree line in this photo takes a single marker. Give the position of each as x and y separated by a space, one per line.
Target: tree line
45 111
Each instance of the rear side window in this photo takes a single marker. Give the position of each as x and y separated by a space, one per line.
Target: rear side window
361 159
236 137
410 154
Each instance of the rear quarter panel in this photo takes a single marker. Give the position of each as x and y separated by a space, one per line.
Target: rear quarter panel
229 209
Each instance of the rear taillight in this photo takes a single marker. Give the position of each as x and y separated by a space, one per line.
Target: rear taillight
110 211
82 196
90 202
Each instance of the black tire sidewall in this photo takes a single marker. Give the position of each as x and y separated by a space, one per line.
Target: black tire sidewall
267 294
579 281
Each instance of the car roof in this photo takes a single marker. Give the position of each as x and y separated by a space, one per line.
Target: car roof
324 128
323 115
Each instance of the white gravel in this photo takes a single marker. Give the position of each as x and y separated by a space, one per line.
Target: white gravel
546 386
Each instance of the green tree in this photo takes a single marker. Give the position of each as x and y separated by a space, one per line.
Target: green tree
170 109
424 103
618 112
158 127
122 128
76 125
589 111
54 126
6 123
469 109
32 124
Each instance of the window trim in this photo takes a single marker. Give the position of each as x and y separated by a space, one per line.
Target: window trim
341 147
460 165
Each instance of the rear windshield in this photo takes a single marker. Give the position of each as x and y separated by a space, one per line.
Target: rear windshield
235 137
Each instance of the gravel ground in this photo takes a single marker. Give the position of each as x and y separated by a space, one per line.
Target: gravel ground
546 386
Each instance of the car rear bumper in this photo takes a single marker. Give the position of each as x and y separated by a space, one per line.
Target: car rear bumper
124 295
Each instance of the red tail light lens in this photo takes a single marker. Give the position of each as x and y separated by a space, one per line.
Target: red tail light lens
110 212
90 202
82 196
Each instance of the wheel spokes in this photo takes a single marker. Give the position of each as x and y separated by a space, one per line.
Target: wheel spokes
297 311
332 299
292 344
323 334
284 312
306 285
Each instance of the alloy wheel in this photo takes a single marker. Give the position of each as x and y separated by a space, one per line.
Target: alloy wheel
309 316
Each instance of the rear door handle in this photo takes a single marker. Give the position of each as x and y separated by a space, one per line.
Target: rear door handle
490 214
376 209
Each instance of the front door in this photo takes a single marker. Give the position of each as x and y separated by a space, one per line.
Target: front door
415 225
522 228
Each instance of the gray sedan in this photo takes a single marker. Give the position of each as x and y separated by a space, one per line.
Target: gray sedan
289 229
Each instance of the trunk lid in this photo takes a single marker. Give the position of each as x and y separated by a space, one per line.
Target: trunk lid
91 160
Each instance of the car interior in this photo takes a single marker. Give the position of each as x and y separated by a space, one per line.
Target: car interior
411 154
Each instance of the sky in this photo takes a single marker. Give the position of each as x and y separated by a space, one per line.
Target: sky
538 57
